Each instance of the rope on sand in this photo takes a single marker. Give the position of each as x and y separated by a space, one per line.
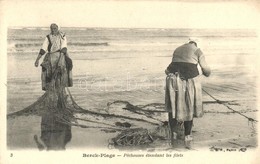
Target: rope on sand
223 103
134 109
81 110
64 121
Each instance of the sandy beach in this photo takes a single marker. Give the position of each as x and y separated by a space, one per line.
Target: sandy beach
219 127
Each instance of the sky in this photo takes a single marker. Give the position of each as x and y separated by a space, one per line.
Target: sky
138 14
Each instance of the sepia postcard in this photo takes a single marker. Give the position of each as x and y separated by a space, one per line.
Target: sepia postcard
172 81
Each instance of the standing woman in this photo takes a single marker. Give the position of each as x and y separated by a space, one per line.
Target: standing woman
55 110
183 95
55 48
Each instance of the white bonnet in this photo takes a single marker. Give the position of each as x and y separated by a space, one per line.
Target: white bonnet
193 39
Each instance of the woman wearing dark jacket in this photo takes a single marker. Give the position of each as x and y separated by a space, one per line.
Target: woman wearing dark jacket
183 96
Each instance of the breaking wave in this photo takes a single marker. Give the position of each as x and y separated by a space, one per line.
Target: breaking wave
22 45
89 44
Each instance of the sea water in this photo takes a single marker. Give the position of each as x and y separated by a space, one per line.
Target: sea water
222 47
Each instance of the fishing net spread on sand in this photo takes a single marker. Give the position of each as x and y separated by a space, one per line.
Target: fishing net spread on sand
144 137
55 100
133 137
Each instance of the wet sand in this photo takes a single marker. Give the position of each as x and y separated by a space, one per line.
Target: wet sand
219 127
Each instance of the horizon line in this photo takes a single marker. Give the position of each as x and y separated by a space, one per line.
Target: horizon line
134 27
